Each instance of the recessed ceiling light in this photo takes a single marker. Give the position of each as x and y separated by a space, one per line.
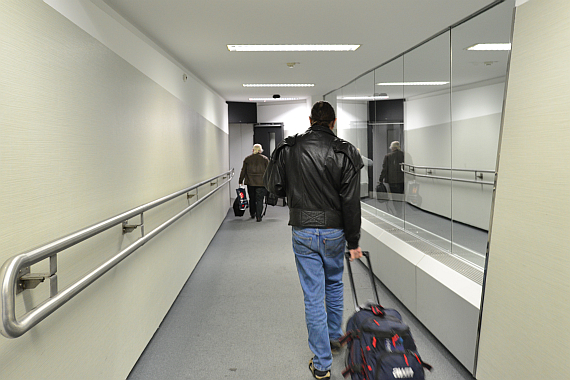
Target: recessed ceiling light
375 97
412 84
271 99
278 85
493 47
293 47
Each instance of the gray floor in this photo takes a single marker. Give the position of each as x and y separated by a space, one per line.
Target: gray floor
241 315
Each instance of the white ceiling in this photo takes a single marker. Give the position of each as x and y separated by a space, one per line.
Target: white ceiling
196 32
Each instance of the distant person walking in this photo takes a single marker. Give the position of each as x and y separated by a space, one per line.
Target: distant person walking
251 174
319 174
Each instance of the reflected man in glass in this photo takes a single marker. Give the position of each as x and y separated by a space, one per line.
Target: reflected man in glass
393 175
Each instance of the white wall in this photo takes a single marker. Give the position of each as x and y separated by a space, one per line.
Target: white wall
294 115
471 143
526 313
352 123
241 145
85 136
109 28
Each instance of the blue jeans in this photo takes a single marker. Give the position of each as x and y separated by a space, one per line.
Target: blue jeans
319 254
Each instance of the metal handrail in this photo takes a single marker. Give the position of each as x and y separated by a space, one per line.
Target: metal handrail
411 171
10 273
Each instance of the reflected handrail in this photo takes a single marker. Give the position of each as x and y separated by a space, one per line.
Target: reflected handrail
10 273
410 169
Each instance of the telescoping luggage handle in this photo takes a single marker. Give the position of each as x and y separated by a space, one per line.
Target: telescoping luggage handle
351 277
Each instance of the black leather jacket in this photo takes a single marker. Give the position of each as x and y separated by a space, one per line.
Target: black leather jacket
319 174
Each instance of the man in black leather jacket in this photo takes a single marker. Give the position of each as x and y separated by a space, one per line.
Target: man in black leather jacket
319 174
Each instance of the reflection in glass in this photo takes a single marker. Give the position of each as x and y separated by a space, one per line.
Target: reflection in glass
443 104
364 87
428 137
352 115
386 125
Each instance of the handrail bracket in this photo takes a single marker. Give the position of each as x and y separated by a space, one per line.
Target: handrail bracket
28 280
128 228
31 280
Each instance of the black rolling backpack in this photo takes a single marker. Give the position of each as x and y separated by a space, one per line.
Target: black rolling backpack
379 344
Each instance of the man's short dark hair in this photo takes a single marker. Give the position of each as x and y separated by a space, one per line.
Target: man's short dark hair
322 113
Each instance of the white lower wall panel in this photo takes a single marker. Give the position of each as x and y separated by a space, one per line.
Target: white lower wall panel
396 271
445 306
446 302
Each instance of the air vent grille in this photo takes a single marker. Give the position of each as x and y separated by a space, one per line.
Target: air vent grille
453 261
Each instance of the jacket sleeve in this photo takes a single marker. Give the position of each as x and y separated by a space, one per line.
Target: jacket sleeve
274 179
350 197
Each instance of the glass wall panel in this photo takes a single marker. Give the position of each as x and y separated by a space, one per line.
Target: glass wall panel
386 124
352 112
427 133
478 78
345 111
443 104
364 91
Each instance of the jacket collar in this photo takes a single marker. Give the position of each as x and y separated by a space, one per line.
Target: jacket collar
321 128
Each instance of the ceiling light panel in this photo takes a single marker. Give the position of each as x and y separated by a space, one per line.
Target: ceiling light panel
293 47
412 84
376 97
278 85
490 47
271 99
